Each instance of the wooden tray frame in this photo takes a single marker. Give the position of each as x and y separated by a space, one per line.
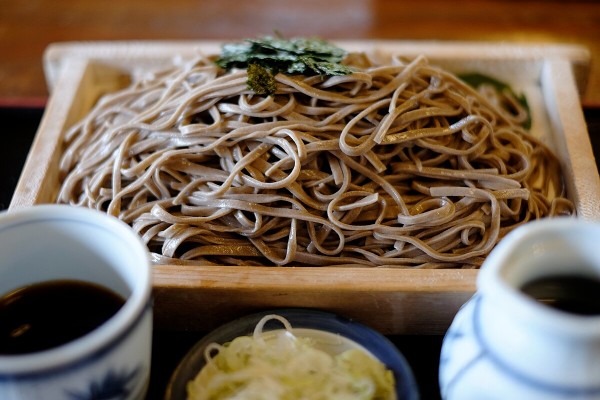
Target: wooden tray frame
394 301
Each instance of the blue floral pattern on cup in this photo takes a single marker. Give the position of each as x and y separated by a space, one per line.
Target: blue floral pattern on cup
115 385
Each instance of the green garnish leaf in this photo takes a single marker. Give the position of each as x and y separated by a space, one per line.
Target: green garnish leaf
477 79
272 55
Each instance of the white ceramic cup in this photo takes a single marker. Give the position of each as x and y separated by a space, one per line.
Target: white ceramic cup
504 344
47 242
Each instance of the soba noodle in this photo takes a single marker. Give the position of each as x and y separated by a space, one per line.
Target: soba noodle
398 165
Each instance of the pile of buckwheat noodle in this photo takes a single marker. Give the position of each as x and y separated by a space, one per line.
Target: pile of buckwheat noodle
396 165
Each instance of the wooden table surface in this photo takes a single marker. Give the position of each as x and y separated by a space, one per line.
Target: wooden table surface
27 27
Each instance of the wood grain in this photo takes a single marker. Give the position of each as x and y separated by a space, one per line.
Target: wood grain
27 28
391 301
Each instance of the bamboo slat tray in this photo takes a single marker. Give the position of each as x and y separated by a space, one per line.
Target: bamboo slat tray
394 301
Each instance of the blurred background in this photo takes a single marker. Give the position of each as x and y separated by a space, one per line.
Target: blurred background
27 27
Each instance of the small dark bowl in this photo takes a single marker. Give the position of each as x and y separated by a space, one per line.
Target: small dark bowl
377 344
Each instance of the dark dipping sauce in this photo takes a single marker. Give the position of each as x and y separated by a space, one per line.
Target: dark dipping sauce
46 315
570 293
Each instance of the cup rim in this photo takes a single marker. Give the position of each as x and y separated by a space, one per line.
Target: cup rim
491 282
116 328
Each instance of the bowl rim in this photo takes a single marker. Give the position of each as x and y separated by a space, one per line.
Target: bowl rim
302 318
